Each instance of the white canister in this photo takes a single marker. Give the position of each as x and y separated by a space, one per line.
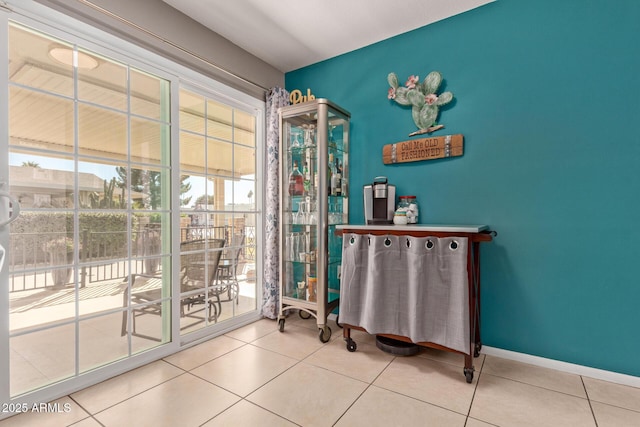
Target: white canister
400 217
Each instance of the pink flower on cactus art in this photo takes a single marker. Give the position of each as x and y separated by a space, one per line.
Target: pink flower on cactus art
392 93
411 82
430 99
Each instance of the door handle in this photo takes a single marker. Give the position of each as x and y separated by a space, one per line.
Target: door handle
15 209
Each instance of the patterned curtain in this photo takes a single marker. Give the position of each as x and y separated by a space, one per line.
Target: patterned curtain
276 98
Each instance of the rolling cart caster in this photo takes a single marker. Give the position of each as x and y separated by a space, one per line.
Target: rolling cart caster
468 373
281 325
351 345
476 350
303 314
324 334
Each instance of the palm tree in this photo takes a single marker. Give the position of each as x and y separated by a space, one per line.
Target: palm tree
205 200
149 185
31 164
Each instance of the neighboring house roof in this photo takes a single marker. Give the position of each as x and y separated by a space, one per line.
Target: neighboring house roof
53 179
41 180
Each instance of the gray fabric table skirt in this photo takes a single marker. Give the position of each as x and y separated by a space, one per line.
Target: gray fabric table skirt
416 287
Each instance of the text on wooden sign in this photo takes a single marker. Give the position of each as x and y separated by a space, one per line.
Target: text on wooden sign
416 150
296 96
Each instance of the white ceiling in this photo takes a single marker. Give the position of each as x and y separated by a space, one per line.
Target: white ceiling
290 34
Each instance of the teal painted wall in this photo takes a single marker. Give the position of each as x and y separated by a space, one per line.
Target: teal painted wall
548 99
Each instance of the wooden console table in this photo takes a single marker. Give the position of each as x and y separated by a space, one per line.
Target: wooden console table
475 234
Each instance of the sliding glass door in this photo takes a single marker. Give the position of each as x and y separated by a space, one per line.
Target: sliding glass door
89 164
138 229
218 186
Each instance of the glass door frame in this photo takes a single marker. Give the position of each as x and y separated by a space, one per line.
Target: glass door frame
191 82
56 24
4 231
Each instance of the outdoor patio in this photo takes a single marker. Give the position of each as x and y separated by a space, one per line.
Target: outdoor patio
46 356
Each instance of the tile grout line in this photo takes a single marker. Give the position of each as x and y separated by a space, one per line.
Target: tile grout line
546 388
137 394
352 403
253 391
210 360
84 409
586 392
187 372
369 384
475 390
540 387
266 409
364 391
243 398
297 362
436 360
236 403
415 398
605 403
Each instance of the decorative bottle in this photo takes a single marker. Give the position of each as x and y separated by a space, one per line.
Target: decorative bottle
337 178
296 181
306 178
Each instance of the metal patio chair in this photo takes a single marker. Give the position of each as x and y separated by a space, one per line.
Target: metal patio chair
199 261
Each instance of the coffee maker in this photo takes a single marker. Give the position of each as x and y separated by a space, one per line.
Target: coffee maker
379 201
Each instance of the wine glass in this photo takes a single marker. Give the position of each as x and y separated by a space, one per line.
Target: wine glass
296 143
308 135
301 215
313 214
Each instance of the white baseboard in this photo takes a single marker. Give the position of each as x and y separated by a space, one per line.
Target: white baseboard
571 368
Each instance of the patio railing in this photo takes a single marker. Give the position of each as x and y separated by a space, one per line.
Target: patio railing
103 255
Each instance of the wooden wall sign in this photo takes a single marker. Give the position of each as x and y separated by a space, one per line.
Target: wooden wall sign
415 150
296 96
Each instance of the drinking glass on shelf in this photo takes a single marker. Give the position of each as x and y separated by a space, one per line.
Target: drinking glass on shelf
301 215
309 134
302 245
312 215
288 249
296 143
292 246
332 214
307 241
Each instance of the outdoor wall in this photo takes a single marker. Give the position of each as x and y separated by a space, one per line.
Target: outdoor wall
546 96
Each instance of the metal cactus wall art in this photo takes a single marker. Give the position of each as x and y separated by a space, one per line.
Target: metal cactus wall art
422 97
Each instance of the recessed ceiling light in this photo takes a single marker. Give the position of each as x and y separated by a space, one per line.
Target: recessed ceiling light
68 56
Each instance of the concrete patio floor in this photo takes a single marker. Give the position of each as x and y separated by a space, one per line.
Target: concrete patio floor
40 357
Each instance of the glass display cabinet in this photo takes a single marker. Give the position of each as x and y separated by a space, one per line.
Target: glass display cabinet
314 193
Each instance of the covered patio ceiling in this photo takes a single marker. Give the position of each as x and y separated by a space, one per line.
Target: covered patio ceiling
44 121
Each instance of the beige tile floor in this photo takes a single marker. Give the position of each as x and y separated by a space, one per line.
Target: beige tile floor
257 376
